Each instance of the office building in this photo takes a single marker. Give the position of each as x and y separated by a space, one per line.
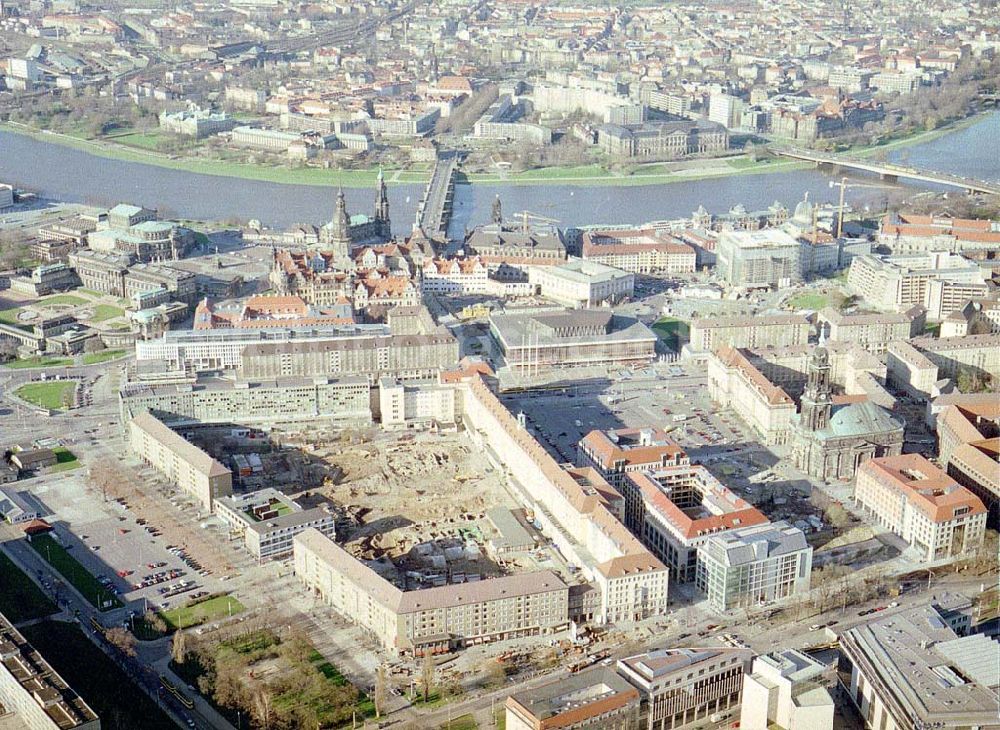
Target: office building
617 453
674 511
737 383
784 690
754 565
416 404
32 695
910 670
433 619
935 514
708 334
267 521
762 258
681 687
510 245
662 140
581 284
638 250
180 461
590 699
564 339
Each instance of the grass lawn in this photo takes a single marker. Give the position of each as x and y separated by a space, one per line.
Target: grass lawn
81 579
106 311
52 394
66 460
93 358
462 722
105 687
672 331
40 362
9 316
91 292
202 612
61 299
20 599
808 300
146 141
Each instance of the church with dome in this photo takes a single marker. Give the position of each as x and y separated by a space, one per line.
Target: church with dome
831 436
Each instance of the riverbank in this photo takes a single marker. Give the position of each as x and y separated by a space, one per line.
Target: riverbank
583 176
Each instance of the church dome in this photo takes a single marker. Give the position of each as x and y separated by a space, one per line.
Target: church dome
861 419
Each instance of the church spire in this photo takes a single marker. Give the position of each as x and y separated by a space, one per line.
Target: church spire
382 206
340 229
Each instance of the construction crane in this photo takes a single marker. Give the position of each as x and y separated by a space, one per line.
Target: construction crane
526 215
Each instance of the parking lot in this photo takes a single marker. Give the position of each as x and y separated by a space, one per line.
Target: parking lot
108 540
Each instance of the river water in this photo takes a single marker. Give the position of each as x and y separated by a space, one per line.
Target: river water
73 175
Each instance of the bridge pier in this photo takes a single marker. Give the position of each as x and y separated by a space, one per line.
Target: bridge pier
888 177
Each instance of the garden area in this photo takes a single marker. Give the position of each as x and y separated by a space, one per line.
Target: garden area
102 684
65 460
273 681
93 358
20 599
70 568
53 394
40 361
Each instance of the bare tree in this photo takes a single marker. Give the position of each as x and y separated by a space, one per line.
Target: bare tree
178 646
94 344
427 675
8 348
122 640
380 691
262 705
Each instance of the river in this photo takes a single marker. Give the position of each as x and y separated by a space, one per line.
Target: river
66 173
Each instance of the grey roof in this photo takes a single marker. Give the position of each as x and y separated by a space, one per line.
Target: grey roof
573 693
513 535
759 542
593 326
977 656
901 656
862 419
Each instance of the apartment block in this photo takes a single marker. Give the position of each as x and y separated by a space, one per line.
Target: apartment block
590 699
909 495
968 445
681 687
183 463
708 334
784 690
873 332
674 511
32 695
267 521
754 565
616 453
432 619
405 405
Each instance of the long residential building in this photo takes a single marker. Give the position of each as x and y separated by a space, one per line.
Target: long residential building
367 350
680 687
916 500
32 694
207 399
710 333
180 461
433 619
910 670
577 509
